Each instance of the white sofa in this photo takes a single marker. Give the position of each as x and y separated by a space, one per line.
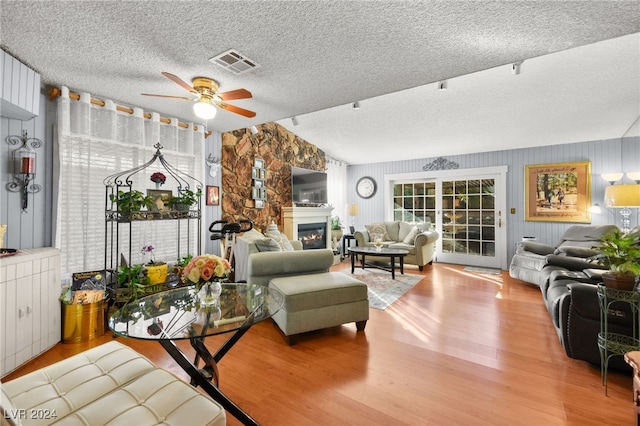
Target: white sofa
418 241
108 384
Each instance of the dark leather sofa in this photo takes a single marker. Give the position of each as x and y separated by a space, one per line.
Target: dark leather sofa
572 302
568 283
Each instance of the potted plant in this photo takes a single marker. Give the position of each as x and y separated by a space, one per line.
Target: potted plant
336 230
131 282
132 201
156 271
185 199
621 254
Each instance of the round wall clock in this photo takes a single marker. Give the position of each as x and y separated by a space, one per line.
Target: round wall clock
366 187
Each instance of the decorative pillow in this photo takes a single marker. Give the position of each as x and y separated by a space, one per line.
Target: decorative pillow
377 228
272 227
281 239
405 228
267 244
411 236
251 235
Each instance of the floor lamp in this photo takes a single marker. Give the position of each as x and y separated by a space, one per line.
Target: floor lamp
623 197
353 210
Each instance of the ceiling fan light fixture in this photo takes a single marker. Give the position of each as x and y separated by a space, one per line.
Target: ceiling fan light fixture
204 110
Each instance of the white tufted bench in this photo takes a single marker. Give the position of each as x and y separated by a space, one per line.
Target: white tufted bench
108 384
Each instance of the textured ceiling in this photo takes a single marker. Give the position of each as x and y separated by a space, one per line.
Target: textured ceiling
317 57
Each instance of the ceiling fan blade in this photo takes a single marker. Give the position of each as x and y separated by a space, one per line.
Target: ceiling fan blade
170 97
235 109
179 82
235 94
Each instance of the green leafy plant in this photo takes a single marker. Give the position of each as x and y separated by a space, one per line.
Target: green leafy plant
335 223
185 197
131 201
134 279
620 253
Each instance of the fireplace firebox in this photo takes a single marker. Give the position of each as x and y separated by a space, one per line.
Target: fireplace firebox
312 235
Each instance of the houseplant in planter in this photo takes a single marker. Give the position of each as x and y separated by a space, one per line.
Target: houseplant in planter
131 283
336 230
131 202
621 254
156 271
184 200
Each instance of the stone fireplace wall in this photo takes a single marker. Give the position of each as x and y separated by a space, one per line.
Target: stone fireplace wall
280 149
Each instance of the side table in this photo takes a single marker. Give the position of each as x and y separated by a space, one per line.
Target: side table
345 245
612 344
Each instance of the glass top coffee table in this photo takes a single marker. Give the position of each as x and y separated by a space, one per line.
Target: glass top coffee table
179 314
392 254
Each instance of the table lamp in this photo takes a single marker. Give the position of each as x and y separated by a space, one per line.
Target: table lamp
623 197
353 210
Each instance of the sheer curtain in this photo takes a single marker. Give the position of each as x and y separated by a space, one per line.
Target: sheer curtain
336 187
93 142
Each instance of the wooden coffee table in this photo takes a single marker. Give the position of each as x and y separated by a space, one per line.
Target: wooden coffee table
393 254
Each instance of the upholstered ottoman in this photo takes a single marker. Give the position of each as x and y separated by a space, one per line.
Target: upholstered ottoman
317 301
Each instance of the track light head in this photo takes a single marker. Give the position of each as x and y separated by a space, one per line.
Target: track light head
515 68
294 120
356 105
442 85
254 130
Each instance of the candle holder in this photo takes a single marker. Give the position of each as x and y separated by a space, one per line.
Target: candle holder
24 166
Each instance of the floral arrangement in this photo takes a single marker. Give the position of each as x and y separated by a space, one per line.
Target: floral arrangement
205 268
158 177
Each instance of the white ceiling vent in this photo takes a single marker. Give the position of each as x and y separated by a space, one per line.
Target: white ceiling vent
235 62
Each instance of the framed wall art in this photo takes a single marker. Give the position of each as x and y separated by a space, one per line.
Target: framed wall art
559 192
213 195
161 199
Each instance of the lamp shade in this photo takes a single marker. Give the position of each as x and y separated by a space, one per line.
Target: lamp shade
353 210
204 110
612 177
622 196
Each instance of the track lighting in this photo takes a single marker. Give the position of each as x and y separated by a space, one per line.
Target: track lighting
294 120
442 85
254 130
356 105
515 68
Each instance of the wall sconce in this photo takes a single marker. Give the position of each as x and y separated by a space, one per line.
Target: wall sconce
612 177
24 166
634 176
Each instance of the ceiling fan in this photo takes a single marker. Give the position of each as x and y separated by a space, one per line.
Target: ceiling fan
207 97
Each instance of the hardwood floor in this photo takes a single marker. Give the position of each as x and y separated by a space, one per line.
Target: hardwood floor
458 348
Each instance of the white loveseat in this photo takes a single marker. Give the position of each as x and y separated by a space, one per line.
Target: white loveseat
418 239
108 384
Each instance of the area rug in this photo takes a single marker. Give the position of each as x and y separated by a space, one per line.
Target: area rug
383 290
480 270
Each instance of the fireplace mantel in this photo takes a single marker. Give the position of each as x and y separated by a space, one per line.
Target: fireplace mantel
293 216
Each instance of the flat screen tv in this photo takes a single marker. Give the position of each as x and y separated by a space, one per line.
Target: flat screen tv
308 187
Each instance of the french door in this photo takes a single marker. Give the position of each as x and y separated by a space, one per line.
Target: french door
466 207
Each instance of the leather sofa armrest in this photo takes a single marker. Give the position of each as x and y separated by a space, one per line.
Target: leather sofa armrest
584 300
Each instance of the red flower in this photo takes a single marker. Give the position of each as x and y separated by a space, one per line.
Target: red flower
158 177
